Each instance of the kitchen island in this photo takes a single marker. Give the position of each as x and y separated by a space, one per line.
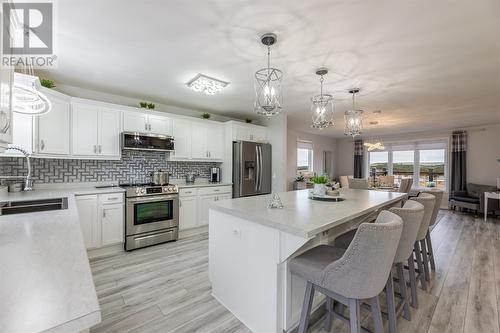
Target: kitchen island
250 246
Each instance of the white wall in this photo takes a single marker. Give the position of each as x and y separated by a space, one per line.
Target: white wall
320 144
277 134
483 150
345 157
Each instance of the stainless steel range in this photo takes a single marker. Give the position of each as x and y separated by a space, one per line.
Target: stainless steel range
152 214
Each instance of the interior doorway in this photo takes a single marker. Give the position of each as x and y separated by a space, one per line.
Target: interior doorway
328 163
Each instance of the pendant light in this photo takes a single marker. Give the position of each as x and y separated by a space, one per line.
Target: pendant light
268 94
353 118
322 106
374 144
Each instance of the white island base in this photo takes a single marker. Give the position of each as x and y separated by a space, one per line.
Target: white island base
250 246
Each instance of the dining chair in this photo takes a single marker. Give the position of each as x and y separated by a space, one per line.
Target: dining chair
405 185
412 214
344 181
349 276
428 243
386 180
428 201
358 183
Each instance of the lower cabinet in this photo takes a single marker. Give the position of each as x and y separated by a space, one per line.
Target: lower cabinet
195 202
101 219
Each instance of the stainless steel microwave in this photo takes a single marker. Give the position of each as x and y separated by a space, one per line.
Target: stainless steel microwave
147 141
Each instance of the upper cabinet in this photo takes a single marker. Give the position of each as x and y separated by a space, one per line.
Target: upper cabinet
95 130
147 123
196 140
6 81
248 132
22 133
52 130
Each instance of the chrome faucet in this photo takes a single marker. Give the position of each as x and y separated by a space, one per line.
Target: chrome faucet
28 182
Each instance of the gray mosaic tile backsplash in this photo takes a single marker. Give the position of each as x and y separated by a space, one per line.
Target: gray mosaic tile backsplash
133 167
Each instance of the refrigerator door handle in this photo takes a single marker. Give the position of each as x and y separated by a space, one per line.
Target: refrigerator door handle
257 167
260 168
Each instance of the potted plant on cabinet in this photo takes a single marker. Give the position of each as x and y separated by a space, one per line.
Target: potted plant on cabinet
300 183
319 184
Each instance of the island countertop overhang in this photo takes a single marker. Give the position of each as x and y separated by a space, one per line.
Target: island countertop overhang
304 217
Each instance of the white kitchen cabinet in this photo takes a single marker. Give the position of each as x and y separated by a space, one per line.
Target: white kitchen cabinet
6 81
182 136
188 208
199 138
215 142
112 224
204 202
89 221
85 128
53 129
207 195
144 123
95 130
109 132
248 132
101 219
22 134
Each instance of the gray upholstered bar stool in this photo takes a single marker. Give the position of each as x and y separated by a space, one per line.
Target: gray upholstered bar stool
358 183
412 215
427 200
430 251
348 276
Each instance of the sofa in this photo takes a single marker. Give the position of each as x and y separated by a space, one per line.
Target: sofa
473 198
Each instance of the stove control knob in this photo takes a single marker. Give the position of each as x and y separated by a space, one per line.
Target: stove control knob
141 190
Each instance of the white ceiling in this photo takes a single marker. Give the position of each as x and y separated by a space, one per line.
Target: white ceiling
426 64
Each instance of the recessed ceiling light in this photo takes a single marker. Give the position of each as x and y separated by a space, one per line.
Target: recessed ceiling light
377 111
206 84
373 122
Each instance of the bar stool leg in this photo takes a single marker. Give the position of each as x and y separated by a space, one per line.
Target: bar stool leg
418 256
431 250
306 308
426 260
329 314
391 307
376 314
403 291
354 316
413 282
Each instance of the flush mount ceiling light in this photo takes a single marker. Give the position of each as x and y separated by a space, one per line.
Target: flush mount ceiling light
353 118
268 94
206 84
322 106
26 98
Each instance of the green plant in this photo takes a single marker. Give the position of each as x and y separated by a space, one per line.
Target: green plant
47 83
151 106
248 120
299 178
205 115
323 179
143 104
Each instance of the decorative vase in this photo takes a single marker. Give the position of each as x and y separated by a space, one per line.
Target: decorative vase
319 189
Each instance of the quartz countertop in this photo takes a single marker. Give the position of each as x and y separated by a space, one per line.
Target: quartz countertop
45 278
200 182
304 217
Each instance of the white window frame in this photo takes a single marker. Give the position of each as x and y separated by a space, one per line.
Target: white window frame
416 146
301 144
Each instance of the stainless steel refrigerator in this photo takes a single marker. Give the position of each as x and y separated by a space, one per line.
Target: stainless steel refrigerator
251 168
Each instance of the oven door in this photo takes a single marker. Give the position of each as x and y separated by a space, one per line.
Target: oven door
145 214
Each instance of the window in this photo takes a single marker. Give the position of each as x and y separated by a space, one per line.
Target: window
403 164
379 162
424 161
304 156
432 168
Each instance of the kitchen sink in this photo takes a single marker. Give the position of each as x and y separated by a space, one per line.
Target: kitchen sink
32 206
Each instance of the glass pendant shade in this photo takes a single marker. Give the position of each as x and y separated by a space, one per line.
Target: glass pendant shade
322 106
268 91
353 118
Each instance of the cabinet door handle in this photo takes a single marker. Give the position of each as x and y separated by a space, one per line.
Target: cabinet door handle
146 127
95 149
104 212
216 190
149 127
100 149
42 144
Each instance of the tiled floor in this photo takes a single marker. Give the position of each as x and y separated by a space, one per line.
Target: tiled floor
166 289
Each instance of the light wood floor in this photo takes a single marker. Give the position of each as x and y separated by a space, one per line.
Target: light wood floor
165 288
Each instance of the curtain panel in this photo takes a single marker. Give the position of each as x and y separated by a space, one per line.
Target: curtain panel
358 158
458 161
